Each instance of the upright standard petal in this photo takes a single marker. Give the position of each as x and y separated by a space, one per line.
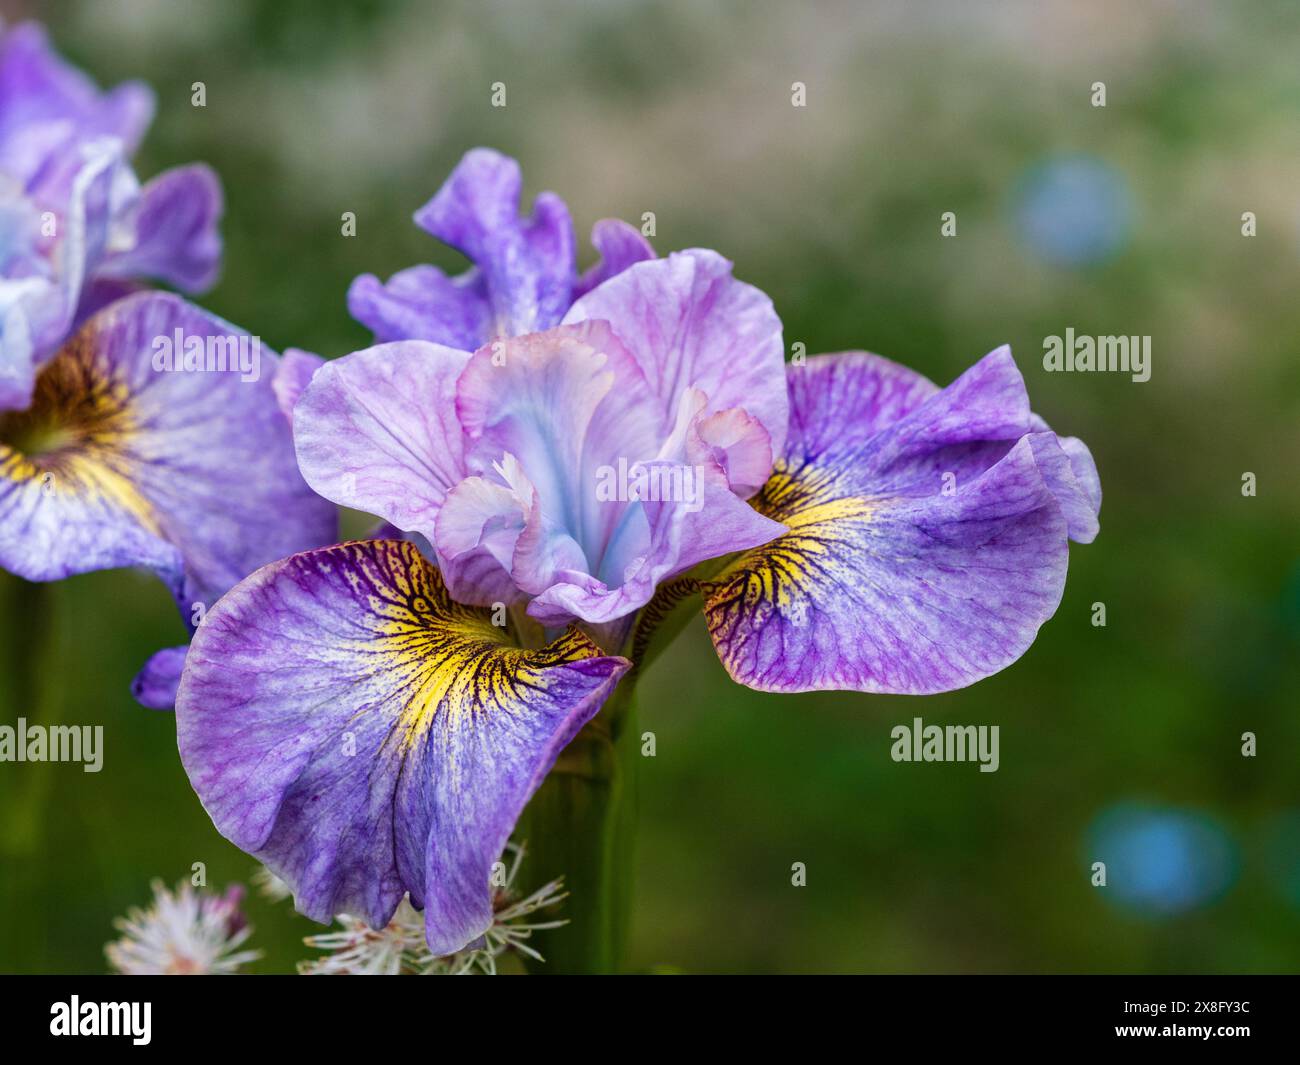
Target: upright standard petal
48 108
691 325
620 246
128 456
65 151
173 232
927 534
523 268
347 723
40 296
569 497
522 276
527 264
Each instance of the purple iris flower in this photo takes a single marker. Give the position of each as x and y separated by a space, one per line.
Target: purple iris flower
523 277
76 227
304 519
109 457
370 719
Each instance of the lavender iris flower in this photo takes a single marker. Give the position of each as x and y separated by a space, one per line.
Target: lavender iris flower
106 458
523 278
76 227
370 719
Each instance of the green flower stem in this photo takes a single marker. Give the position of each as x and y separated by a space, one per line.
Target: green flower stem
581 825
32 689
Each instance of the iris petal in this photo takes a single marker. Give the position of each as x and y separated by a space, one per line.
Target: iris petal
345 721
155 685
567 408
690 324
47 108
40 309
527 264
174 231
377 430
927 534
620 246
522 276
119 464
292 376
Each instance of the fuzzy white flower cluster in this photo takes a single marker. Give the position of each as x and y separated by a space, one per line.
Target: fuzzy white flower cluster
399 948
183 933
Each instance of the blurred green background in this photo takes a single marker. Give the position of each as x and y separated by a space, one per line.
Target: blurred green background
1117 220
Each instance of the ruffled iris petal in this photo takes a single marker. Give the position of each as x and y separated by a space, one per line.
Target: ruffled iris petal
690 324
552 421
39 300
523 268
345 721
174 227
564 403
47 108
117 463
620 246
927 533
526 263
523 275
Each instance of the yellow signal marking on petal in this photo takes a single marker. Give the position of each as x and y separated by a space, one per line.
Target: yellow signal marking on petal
777 574
74 438
449 659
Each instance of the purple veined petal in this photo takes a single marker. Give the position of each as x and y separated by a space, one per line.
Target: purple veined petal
893 577
292 376
1077 494
959 432
1081 480
854 396
690 324
46 105
422 303
122 462
347 723
986 405
522 274
175 228
1084 468
376 430
526 264
155 685
620 245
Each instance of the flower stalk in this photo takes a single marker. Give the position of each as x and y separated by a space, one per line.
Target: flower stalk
581 825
